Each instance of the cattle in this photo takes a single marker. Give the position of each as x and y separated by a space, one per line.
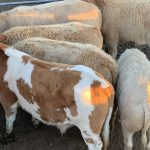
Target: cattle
51 13
133 94
125 20
72 31
55 94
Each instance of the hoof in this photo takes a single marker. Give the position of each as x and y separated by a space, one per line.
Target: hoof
36 126
35 123
6 138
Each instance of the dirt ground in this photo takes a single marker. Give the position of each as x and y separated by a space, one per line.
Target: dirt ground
49 138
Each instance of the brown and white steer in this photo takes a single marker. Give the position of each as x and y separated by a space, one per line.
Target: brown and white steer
56 94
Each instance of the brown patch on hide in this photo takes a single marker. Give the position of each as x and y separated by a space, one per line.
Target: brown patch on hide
25 89
52 90
73 111
7 97
26 59
101 106
3 46
97 117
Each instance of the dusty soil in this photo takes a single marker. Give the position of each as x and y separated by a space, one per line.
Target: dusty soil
48 137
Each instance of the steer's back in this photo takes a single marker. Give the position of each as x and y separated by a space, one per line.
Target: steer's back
50 14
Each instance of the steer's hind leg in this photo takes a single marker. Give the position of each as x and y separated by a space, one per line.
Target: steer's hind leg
128 140
112 43
145 139
92 140
10 118
106 129
148 135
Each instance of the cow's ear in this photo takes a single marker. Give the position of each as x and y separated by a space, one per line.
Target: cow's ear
2 37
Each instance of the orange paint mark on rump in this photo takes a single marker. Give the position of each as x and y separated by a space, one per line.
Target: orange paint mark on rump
97 95
84 16
36 15
100 95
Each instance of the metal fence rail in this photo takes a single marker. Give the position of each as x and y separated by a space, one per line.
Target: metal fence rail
26 2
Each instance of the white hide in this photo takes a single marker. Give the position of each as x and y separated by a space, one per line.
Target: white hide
10 119
17 69
132 95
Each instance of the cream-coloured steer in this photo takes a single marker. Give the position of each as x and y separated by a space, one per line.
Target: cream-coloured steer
133 94
51 13
125 20
55 94
72 31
